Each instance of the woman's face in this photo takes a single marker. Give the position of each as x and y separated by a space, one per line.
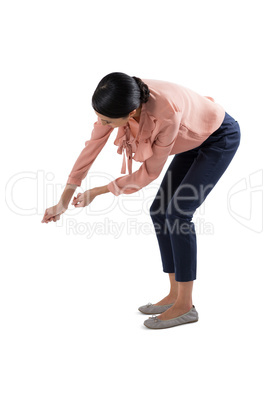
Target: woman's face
115 122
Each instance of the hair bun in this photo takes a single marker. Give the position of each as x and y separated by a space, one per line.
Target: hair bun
144 90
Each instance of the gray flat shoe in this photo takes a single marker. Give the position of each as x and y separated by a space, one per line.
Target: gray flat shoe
155 323
150 308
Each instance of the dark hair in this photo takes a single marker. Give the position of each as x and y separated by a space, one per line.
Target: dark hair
117 94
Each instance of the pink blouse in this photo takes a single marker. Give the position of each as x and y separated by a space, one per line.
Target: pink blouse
175 119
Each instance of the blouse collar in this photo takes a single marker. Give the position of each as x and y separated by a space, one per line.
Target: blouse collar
141 144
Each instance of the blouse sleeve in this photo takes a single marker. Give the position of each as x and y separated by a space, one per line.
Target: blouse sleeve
152 167
93 146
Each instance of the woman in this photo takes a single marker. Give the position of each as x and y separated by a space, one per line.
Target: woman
156 119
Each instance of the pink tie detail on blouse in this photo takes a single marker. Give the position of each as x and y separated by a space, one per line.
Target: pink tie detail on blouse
125 147
175 119
128 143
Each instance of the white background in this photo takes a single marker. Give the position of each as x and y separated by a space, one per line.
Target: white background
70 291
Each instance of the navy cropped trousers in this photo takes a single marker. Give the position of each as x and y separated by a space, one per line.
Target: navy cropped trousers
188 180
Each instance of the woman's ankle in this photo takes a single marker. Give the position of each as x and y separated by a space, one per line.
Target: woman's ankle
173 294
169 299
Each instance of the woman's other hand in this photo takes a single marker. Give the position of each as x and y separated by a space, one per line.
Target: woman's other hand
84 199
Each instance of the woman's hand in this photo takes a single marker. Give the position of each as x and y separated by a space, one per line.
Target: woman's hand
53 213
84 199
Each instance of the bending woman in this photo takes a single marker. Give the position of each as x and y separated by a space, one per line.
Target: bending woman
156 119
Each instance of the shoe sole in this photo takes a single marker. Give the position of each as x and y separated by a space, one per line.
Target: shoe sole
183 323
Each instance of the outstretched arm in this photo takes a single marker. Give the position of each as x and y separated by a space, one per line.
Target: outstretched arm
84 199
93 146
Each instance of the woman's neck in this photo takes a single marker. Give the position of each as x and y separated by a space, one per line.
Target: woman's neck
136 116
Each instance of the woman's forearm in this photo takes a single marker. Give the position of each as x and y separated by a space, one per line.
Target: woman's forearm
67 194
70 189
101 190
